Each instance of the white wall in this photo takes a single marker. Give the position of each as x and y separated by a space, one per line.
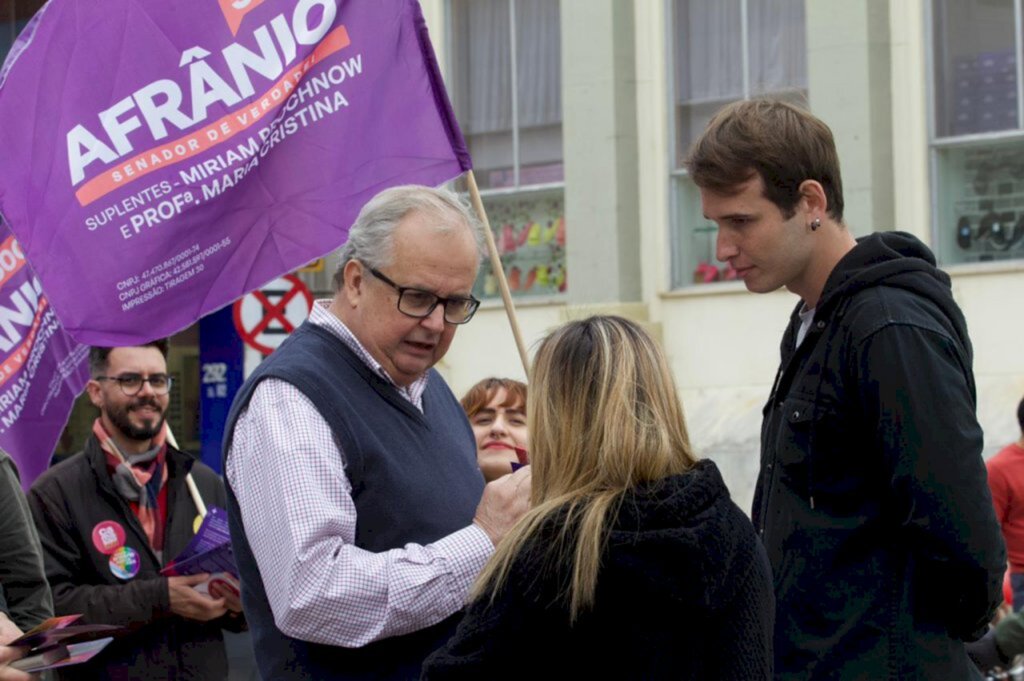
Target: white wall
992 299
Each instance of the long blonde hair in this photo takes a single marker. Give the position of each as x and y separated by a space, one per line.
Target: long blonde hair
603 417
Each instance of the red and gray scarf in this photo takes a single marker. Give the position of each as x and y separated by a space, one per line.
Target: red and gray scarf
140 479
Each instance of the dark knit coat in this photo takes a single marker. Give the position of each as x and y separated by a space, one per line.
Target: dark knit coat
684 592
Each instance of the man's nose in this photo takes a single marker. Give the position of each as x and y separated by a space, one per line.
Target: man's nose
435 320
498 425
725 247
146 388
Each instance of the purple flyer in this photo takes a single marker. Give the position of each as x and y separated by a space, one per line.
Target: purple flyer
209 551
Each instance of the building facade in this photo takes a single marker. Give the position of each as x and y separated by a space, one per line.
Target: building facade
578 114
924 98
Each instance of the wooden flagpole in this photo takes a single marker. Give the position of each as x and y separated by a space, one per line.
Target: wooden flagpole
197 499
498 270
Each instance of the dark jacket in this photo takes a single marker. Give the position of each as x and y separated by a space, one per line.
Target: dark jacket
872 498
68 501
684 592
23 588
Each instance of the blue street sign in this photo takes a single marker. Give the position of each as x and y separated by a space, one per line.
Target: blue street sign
220 364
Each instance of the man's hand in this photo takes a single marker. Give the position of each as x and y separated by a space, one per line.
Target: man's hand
220 588
188 603
9 654
8 630
504 502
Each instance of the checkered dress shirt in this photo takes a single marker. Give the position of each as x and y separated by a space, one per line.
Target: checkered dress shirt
288 474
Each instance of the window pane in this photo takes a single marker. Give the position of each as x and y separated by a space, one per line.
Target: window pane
481 67
539 91
529 230
492 159
708 64
529 226
694 248
482 74
778 46
975 66
981 202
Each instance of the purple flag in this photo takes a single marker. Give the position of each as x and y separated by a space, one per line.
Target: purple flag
161 158
42 369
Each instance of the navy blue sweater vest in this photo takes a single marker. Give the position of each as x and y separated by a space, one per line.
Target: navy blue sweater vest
414 479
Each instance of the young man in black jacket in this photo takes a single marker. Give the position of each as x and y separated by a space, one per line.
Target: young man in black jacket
111 516
872 500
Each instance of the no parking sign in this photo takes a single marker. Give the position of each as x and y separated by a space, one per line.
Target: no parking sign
265 317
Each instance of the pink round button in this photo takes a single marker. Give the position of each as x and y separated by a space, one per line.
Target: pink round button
108 536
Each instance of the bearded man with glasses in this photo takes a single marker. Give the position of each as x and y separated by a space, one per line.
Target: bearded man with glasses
358 514
111 516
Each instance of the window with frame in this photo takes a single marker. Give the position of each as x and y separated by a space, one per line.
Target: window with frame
978 130
505 79
723 51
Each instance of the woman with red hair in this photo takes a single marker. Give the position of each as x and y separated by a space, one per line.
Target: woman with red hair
496 408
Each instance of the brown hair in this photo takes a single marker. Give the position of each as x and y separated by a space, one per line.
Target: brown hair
782 143
603 417
99 357
481 394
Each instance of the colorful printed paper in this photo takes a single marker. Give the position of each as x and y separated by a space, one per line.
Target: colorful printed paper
70 655
60 630
161 158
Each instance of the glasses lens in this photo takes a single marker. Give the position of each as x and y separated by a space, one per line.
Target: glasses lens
459 310
160 383
416 303
130 383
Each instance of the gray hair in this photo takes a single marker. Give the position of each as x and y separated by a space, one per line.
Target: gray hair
370 239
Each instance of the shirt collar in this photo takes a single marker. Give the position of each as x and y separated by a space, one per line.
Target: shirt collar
323 317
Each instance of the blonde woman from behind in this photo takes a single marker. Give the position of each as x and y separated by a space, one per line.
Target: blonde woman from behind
633 562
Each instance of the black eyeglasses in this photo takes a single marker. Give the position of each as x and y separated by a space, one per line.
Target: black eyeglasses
418 303
131 384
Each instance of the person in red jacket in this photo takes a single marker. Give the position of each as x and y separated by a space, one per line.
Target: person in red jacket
1006 481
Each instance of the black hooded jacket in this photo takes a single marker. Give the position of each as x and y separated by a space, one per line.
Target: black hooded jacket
683 592
872 499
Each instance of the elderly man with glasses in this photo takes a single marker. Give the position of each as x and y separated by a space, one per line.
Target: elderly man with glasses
358 514
111 516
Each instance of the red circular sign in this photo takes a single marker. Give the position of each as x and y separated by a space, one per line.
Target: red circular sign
265 317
